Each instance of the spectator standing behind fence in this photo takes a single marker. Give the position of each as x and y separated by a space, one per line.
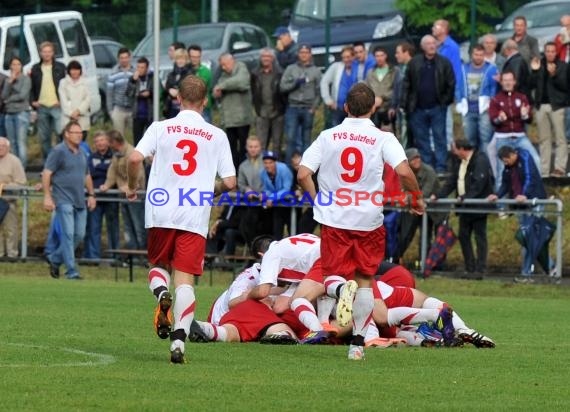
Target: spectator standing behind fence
234 91
489 42
515 63
381 80
117 177
46 76
527 45
363 61
64 180
74 98
549 80
476 87
204 73
429 87
471 178
119 105
302 83
562 42
3 82
277 181
286 47
99 161
335 84
521 181
140 90
509 110
16 97
268 102
404 53
12 175
180 70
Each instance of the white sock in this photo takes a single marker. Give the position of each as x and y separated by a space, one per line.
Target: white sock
158 277
177 344
362 311
408 316
184 304
215 333
325 305
435 303
305 311
372 332
331 285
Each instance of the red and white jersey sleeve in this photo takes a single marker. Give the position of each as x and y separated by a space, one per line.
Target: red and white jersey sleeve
385 289
350 160
246 280
290 259
187 153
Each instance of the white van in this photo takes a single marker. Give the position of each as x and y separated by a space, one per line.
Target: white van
64 29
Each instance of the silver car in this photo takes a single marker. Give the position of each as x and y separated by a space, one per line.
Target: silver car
243 40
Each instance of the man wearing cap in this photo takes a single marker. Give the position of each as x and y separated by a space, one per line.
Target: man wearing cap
429 184
471 178
302 83
285 46
277 180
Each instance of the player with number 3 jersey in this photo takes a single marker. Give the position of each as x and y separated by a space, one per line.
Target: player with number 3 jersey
187 153
350 160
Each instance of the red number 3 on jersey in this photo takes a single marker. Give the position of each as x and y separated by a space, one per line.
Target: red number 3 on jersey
191 148
352 161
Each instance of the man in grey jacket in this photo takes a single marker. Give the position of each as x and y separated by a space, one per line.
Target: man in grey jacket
302 81
234 91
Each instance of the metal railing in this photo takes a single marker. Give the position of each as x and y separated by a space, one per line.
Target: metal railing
437 206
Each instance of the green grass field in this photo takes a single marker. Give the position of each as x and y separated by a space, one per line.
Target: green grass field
89 345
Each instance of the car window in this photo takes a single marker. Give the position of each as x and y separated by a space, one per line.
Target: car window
47 32
236 35
316 9
209 38
251 36
544 15
13 47
113 50
102 57
74 37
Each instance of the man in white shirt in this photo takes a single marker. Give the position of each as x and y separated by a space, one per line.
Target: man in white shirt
187 153
350 160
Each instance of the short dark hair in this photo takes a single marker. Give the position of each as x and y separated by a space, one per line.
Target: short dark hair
178 45
192 89
260 245
505 152
464 144
123 50
380 49
359 43
194 47
360 99
143 60
70 124
523 18
16 58
408 47
549 43
508 72
478 47
74 65
115 136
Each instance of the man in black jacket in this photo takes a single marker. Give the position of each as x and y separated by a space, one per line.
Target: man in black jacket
471 178
268 101
549 80
44 95
515 63
428 89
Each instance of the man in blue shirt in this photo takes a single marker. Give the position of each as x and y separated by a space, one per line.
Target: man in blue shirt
277 181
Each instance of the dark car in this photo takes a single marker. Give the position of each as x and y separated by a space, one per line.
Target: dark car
105 50
373 22
243 40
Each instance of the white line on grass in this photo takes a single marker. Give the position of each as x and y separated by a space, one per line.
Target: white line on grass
100 358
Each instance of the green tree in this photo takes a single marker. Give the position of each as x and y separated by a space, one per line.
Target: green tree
457 12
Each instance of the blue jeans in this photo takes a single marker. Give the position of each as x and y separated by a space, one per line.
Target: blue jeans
2 125
49 120
567 123
421 122
337 117
298 127
17 132
522 142
72 222
207 115
477 129
92 240
133 218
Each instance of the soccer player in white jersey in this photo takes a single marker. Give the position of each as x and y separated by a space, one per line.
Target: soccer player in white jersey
188 154
350 159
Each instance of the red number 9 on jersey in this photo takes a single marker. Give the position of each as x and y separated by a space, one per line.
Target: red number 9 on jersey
352 161
192 149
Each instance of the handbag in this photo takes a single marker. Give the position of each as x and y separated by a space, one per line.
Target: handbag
4 205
